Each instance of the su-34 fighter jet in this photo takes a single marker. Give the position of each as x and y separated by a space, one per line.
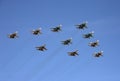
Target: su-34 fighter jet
88 35
98 54
73 53
67 42
41 48
37 31
57 28
82 25
94 44
13 35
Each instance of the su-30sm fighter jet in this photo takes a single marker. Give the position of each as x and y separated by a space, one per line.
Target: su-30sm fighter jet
57 28
73 53
13 35
41 48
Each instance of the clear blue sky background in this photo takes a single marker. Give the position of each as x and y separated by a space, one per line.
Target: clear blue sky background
20 61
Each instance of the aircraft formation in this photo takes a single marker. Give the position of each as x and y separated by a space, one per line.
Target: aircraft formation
58 28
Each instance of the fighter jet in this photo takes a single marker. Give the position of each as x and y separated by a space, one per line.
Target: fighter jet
57 28
13 35
67 42
41 48
98 54
73 53
94 44
37 31
82 25
89 35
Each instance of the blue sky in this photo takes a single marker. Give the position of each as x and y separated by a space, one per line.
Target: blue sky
20 61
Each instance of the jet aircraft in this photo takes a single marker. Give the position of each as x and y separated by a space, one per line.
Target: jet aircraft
81 26
13 35
98 54
73 53
57 28
67 42
94 44
88 35
37 31
41 48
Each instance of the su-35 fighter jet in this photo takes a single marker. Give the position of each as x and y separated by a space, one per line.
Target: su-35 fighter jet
13 35
57 28
73 53
41 48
